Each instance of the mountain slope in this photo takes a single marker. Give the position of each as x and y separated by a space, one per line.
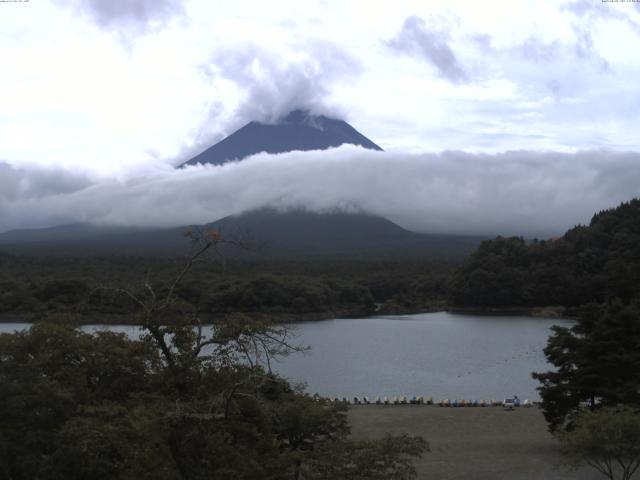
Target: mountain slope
297 234
61 233
273 235
291 234
297 131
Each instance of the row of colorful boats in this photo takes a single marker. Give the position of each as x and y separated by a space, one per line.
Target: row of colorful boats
402 400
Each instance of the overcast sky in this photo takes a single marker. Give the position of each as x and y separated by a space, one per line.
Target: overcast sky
100 94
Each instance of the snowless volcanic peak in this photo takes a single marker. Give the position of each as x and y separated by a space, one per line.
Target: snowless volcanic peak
299 130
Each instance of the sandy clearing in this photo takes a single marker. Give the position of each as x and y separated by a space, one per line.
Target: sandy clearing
472 443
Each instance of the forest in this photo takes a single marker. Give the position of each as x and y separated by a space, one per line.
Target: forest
594 263
34 287
174 404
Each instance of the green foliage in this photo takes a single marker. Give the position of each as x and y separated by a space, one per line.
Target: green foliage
596 364
176 404
281 295
48 373
607 440
33 287
80 406
587 264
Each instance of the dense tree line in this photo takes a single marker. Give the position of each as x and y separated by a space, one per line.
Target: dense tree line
591 398
35 287
591 263
174 404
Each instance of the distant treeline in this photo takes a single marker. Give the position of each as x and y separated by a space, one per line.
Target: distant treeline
589 264
593 263
36 287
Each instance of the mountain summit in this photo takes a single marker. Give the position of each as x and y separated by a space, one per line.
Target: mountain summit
299 130
290 235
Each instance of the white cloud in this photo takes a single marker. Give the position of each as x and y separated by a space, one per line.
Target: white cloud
520 192
74 95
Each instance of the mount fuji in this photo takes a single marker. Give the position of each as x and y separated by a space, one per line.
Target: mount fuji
289 234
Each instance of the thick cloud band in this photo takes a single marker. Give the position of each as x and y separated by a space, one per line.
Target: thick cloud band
523 193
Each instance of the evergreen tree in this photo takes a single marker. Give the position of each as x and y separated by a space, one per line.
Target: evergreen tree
596 364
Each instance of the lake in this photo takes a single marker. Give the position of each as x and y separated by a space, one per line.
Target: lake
439 354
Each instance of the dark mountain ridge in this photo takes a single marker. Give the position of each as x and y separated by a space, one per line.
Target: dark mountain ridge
270 233
280 235
298 131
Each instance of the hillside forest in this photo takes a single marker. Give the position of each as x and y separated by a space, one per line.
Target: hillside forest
589 264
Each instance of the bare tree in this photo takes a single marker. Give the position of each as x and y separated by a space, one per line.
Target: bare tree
177 330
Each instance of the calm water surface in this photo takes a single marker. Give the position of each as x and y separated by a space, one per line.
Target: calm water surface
440 354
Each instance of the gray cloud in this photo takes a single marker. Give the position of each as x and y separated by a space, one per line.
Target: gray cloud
557 91
482 40
583 8
431 44
272 87
589 11
579 7
35 182
538 51
585 47
521 192
35 186
128 15
275 86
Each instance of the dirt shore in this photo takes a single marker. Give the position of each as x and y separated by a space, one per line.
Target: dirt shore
472 443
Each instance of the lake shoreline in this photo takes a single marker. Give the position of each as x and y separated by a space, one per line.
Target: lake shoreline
291 318
439 354
129 319
549 311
